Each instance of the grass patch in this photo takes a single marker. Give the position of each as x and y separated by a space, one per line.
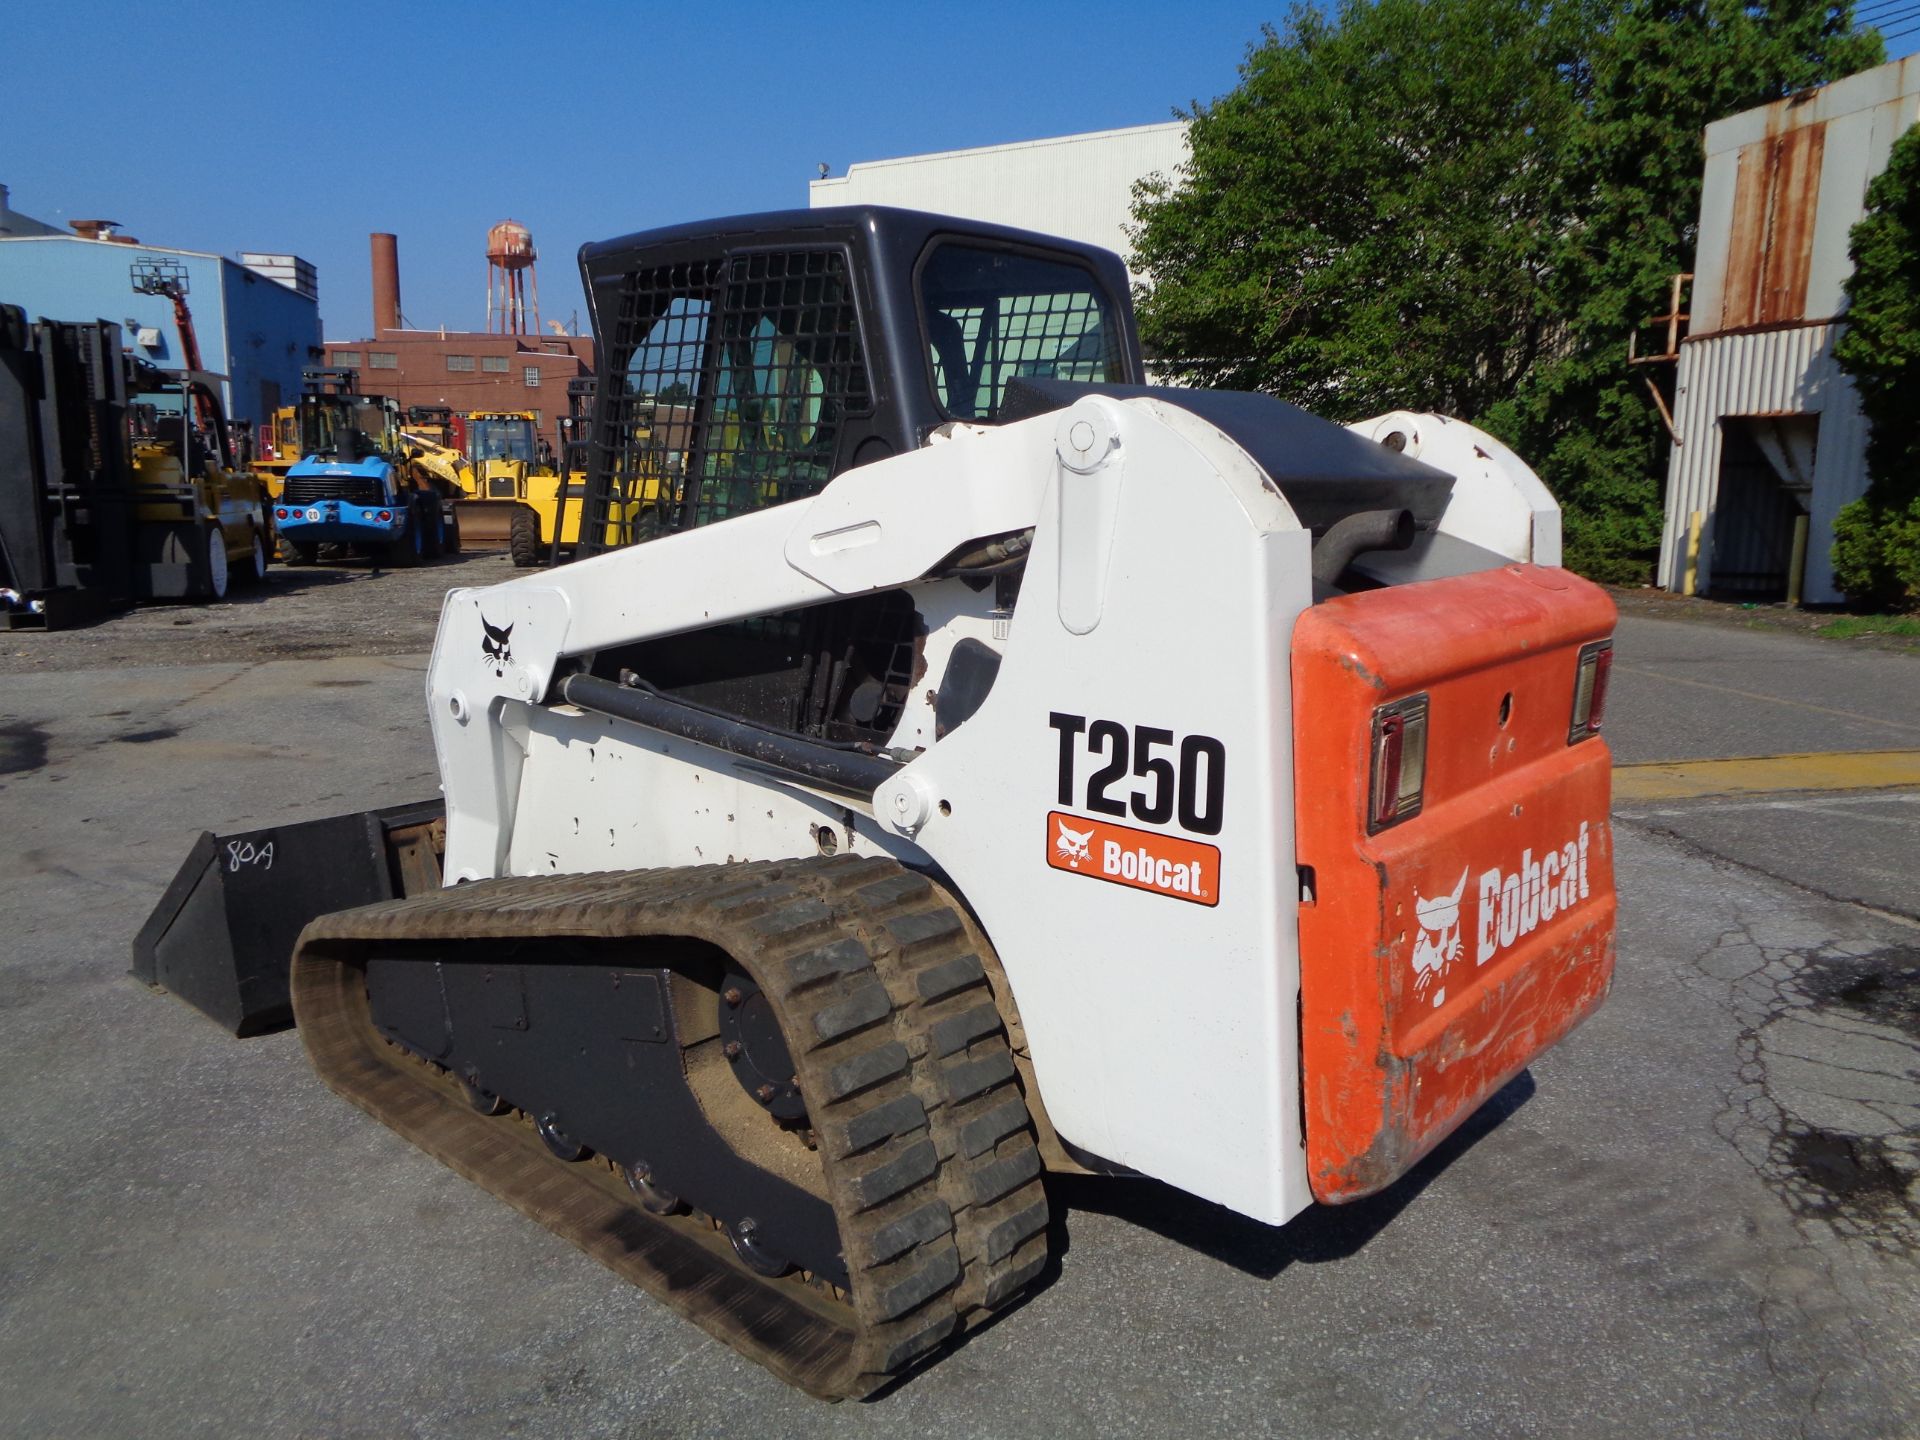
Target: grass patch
1848 627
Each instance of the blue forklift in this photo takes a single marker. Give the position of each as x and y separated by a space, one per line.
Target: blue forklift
354 490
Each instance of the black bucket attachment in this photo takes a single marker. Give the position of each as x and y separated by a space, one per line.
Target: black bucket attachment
222 936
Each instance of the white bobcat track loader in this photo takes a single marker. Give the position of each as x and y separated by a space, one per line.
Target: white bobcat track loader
988 765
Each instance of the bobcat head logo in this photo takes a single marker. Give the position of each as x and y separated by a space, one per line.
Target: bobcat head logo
497 645
1439 938
1072 845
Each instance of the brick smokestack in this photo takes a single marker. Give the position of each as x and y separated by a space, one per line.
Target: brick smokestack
386 283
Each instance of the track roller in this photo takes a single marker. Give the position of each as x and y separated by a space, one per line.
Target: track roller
562 1145
653 1198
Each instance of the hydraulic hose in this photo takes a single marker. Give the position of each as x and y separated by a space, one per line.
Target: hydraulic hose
1357 534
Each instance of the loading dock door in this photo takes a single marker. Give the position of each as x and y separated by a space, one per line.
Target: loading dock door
1766 483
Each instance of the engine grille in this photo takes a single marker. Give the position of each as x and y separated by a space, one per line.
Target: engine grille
354 489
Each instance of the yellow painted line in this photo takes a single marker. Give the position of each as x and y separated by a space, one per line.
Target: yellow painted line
1761 774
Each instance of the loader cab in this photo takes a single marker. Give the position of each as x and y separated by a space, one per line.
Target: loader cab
744 363
501 437
347 428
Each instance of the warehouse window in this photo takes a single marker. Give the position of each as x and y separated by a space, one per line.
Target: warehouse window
530 376
459 362
496 364
382 360
347 359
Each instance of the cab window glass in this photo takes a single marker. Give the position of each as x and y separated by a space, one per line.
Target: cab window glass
500 440
993 316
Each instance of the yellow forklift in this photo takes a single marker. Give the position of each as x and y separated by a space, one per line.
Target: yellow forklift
190 482
276 448
118 480
657 448
202 520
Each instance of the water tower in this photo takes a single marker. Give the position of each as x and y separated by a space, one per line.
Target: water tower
511 279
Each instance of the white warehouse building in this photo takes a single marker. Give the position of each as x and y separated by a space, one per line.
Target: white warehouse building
1766 427
1076 186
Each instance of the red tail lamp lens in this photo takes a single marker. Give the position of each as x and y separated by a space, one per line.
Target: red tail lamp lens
1389 745
1602 668
1398 769
1590 690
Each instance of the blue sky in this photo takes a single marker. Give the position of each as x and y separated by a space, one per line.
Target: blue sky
302 127
215 125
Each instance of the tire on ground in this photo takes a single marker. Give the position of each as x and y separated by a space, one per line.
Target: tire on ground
410 548
253 570
523 538
211 562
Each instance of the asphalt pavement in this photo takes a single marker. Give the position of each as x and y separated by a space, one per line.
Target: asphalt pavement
1684 691
1697 1215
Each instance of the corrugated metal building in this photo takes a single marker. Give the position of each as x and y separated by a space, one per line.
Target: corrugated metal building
1768 427
1077 186
257 332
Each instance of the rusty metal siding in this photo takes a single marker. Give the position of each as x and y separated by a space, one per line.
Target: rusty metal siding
1785 371
1776 199
1783 184
1776 202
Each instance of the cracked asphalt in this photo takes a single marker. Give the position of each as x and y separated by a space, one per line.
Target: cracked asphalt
1698 1215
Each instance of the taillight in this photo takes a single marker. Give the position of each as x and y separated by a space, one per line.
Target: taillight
280 514
1399 764
386 515
1590 690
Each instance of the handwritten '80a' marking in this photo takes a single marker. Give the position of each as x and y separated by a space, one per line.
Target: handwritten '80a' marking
242 854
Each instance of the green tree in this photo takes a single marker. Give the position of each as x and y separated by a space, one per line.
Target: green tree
1656 72
1876 547
1464 205
1366 221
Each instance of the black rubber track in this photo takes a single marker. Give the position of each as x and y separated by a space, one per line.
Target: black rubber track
925 1143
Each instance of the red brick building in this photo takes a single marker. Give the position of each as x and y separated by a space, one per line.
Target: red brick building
469 370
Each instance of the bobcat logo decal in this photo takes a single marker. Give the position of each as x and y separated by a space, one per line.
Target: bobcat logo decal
1439 939
497 645
1072 844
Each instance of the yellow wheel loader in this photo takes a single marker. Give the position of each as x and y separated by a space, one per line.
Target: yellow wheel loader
513 488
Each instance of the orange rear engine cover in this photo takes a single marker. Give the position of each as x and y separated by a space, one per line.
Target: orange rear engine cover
1439 956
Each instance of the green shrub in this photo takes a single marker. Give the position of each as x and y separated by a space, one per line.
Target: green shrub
1876 539
1876 553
